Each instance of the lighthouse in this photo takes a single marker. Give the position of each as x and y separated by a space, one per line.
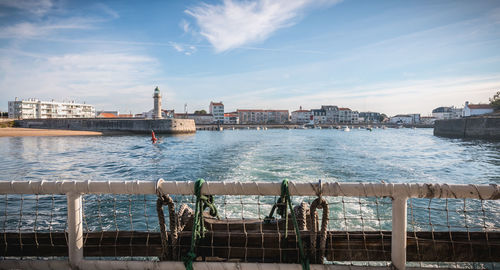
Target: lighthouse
157 105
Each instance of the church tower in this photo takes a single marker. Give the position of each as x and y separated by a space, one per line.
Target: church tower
157 105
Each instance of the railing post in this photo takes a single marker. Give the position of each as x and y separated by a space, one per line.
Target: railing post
75 229
398 241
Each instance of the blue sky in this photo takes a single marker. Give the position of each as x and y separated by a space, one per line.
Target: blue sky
386 56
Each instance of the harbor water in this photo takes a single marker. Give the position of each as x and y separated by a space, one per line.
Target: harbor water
391 156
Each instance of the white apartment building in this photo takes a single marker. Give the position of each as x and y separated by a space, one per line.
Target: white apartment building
301 117
346 115
217 110
34 108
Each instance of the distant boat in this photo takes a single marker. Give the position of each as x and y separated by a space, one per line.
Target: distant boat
346 128
257 128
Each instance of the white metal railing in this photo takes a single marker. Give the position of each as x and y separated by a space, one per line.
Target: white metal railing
74 190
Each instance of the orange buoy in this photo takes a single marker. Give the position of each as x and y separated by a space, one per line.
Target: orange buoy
153 137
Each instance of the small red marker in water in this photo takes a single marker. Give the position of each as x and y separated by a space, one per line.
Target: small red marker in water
153 137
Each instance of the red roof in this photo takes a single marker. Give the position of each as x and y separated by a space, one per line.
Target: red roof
216 104
344 109
126 115
107 115
230 114
479 106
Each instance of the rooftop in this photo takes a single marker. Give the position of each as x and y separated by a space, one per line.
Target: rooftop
479 106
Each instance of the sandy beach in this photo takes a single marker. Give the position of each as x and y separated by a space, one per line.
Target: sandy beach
22 132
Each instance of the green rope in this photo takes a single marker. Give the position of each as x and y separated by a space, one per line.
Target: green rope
198 230
281 205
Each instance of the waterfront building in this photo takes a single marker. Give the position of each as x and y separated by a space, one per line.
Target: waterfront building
157 113
348 116
369 117
231 118
442 113
217 110
199 119
263 116
34 108
476 109
301 117
319 116
331 113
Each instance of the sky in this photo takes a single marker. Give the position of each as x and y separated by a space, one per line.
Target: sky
383 56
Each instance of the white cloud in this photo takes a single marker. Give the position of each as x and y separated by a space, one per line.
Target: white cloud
36 7
233 24
49 24
186 49
31 30
122 81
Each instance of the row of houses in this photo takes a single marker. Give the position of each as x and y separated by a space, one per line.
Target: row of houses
327 114
443 113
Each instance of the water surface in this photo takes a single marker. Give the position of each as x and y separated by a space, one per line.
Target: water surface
393 155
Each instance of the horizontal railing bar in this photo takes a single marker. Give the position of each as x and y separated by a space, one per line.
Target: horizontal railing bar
406 190
132 265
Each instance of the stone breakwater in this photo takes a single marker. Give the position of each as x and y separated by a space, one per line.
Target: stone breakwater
482 127
171 126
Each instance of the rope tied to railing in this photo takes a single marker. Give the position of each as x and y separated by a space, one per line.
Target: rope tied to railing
284 204
164 199
320 203
198 230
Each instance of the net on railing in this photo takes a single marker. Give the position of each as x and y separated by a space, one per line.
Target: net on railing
33 226
458 233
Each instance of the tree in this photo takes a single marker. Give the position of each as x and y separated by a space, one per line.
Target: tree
200 112
382 117
495 101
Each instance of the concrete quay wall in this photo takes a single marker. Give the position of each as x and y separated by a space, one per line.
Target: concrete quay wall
486 127
173 126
